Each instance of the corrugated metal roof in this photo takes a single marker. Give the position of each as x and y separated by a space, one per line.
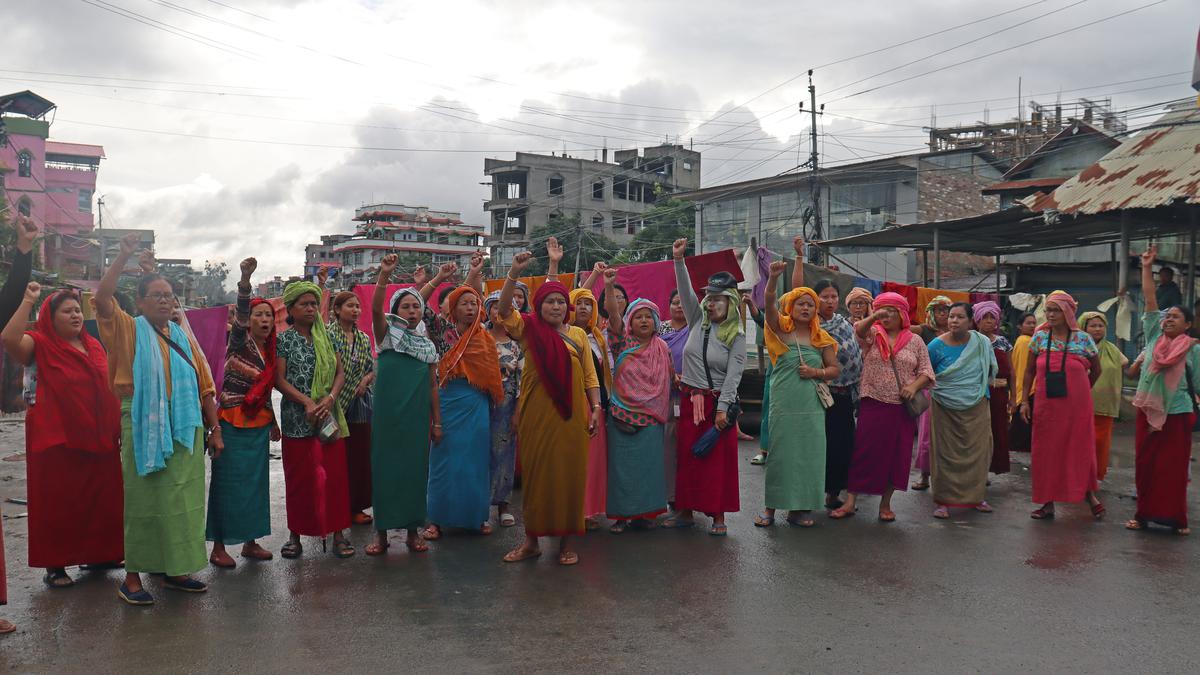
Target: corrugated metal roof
1158 167
1023 184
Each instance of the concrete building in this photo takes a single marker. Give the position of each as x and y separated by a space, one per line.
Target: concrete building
608 197
52 182
854 198
436 236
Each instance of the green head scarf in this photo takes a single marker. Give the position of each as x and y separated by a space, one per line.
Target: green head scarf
731 327
326 368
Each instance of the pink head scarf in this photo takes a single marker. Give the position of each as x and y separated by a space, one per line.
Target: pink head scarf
896 301
1067 304
642 374
986 308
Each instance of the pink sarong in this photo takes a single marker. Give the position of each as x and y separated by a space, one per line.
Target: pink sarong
596 492
1063 456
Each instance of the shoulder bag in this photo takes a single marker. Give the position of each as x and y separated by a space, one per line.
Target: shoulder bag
1056 381
915 406
735 408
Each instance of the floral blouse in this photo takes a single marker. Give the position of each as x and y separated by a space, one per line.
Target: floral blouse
441 331
879 382
301 366
849 354
1079 344
512 362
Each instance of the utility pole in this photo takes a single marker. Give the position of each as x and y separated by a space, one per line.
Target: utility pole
100 212
816 255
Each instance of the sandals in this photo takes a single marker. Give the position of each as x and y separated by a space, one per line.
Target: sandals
759 459
765 520
376 548
58 579
802 521
984 507
7 627
718 530
292 549
841 512
1042 514
618 527
1134 524
1098 510
342 548
432 533
568 558
416 545
941 513
674 522
887 516
485 529
922 484
507 520
519 554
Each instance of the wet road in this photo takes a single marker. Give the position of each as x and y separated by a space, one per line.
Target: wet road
990 593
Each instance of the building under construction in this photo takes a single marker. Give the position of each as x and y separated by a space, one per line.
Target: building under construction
1013 140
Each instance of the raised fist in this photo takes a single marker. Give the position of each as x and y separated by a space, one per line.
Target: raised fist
33 291
679 248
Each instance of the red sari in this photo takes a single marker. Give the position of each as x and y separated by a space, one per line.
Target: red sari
708 484
73 461
1063 455
1161 470
999 407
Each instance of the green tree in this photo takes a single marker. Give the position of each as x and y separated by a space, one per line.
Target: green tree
664 223
590 247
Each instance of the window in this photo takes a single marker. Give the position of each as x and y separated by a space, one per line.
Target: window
598 190
85 200
598 221
621 187
556 185
24 207
24 164
687 166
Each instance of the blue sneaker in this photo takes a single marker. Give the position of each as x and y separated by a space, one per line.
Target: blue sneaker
187 584
139 598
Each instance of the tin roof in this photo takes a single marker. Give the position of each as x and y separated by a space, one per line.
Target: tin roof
1158 167
74 149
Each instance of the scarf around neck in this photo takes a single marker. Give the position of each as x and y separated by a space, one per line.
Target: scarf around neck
161 419
728 330
882 343
401 338
642 374
548 350
818 337
1160 379
326 358
965 381
474 355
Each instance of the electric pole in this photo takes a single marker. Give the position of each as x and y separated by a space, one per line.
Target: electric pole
100 212
815 255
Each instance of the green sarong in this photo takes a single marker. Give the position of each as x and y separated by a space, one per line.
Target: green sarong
795 465
239 502
400 441
164 511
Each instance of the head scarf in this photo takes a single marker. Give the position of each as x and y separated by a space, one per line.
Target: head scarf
858 293
521 285
574 298
986 308
326 366
474 355
900 304
1106 392
260 391
549 351
937 301
488 303
401 338
1067 304
75 407
818 338
642 375
731 327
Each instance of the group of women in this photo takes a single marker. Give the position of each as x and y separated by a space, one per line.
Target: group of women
616 409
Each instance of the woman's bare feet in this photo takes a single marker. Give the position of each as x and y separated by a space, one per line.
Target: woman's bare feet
527 550
7 626
380 545
415 543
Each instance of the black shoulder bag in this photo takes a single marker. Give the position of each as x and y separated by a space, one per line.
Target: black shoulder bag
735 408
1056 381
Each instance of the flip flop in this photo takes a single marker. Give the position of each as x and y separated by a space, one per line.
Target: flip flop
984 507
375 548
941 513
517 555
764 520
569 558
801 522
887 516
676 523
718 530
841 512
1042 514
507 520
7 627
1134 524
52 580
618 527
419 547
431 533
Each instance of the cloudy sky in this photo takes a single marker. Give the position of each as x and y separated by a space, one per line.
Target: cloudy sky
250 127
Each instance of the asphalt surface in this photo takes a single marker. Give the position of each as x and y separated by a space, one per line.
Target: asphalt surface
978 593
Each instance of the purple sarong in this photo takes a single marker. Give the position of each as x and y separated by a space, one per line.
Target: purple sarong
882 449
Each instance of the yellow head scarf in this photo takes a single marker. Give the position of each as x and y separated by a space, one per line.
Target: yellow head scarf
817 336
584 294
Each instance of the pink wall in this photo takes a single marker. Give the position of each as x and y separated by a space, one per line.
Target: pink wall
16 187
62 207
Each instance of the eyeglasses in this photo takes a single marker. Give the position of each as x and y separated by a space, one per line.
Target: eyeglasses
161 297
